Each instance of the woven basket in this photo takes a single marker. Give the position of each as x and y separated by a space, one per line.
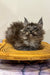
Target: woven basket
7 52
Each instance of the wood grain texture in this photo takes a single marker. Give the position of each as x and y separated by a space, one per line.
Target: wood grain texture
7 52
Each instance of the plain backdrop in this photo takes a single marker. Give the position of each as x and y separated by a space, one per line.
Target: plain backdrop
16 10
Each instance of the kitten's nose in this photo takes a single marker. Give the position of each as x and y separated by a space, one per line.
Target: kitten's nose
31 32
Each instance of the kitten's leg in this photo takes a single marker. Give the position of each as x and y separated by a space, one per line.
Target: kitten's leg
36 47
19 46
16 45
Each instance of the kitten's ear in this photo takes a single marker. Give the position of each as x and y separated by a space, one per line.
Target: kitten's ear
40 22
25 21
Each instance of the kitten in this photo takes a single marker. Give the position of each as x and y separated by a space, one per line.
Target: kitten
25 36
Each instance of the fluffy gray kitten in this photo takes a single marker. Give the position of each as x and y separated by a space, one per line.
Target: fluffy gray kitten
25 36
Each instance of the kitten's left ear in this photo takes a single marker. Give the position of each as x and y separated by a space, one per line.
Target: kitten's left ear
25 21
40 22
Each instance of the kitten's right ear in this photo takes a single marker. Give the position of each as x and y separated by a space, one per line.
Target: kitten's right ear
25 21
40 23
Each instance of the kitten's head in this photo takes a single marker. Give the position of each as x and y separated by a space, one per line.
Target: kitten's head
32 29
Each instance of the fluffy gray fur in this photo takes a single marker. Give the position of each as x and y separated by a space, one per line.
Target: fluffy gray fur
25 36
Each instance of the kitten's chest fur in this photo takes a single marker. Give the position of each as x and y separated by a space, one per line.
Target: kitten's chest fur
30 41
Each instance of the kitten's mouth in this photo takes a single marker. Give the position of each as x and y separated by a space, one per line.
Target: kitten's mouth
34 34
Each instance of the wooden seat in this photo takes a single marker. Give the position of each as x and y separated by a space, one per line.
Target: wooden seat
7 52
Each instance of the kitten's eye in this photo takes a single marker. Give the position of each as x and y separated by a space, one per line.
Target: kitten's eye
35 27
27 28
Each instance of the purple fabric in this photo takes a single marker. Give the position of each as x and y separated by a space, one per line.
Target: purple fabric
24 69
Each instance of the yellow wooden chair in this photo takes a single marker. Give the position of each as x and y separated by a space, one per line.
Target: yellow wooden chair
7 52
